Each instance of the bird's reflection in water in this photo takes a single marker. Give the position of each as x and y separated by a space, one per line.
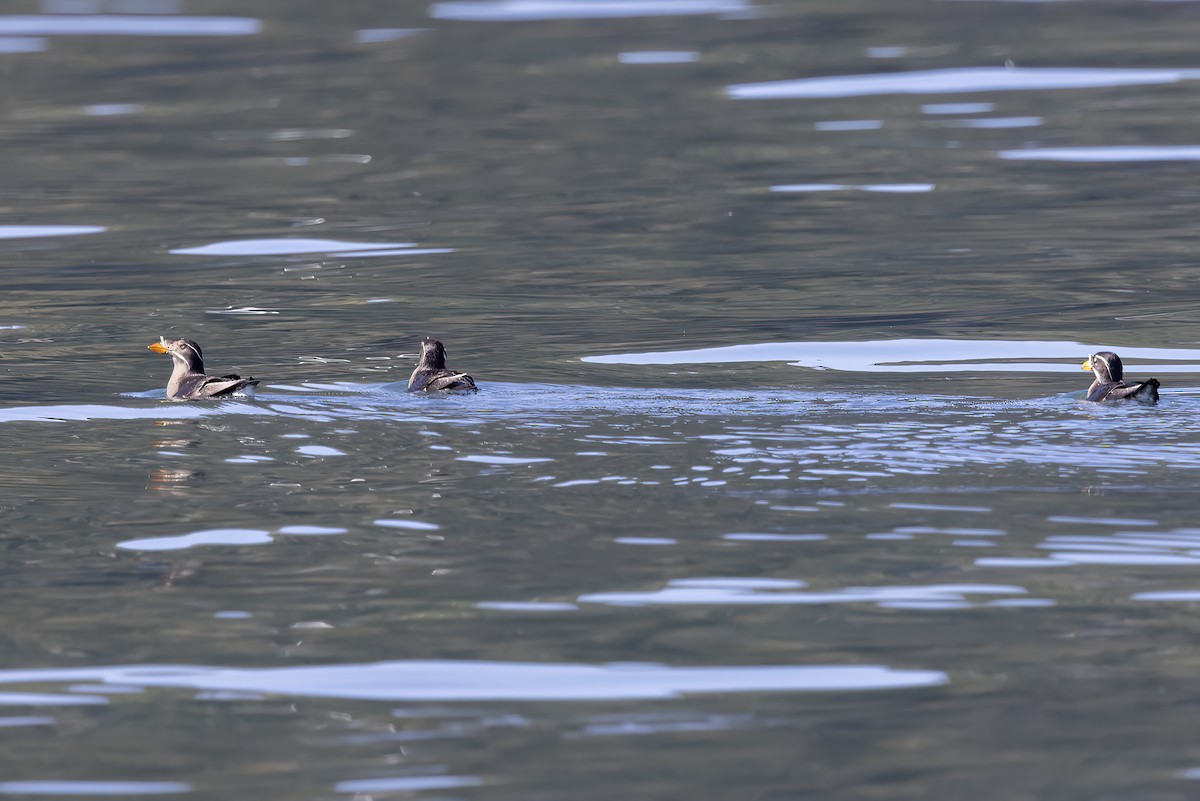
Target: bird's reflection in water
176 443
173 480
168 479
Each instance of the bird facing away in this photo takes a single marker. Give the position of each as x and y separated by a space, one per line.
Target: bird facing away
188 381
431 374
1110 386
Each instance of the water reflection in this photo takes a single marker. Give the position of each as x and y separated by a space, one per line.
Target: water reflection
319 450
645 723
113 109
726 592
484 681
783 436
901 189
294 247
1187 596
1127 153
287 247
750 536
218 536
912 355
524 10
848 125
27 720
1175 547
312 531
82 412
948 81
126 25
93 788
285 135
993 123
172 480
496 459
377 35
365 254
938 507
112 6
248 310
957 108
527 606
50 699
23 44
406 784
658 57
28 231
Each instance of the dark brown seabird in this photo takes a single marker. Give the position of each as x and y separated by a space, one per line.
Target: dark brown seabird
1110 386
188 381
431 374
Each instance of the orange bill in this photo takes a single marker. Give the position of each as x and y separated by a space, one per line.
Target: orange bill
158 347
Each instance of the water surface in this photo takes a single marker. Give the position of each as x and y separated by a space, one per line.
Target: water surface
779 483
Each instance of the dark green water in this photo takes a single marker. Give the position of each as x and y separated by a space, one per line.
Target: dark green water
778 485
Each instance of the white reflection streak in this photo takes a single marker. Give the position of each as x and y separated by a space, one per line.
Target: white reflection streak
420 680
1130 153
216 536
406 784
517 10
285 247
732 596
886 188
914 355
658 57
29 231
126 25
949 81
58 787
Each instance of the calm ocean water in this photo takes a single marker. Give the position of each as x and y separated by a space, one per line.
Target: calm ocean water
779 484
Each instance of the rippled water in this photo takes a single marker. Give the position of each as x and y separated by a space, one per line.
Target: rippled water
779 484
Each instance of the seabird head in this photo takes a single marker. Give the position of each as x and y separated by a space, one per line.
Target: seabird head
1106 365
183 351
433 354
